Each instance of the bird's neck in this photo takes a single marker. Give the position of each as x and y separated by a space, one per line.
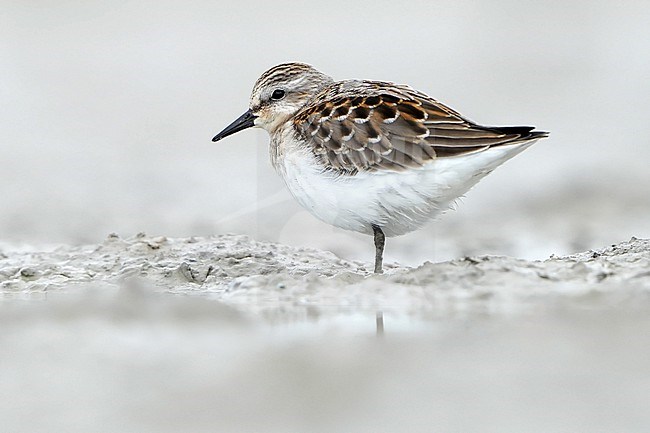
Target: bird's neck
282 139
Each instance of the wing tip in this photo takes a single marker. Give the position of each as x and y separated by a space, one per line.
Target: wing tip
525 132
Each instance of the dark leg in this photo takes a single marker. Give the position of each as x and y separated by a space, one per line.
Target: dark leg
380 241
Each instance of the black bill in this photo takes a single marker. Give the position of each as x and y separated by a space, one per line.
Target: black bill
244 121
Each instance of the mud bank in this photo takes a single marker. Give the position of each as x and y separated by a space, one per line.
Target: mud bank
257 276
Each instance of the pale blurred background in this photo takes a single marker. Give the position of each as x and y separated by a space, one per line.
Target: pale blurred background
108 109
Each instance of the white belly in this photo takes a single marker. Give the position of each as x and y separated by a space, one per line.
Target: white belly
398 202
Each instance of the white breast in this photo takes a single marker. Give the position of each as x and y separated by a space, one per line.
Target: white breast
398 202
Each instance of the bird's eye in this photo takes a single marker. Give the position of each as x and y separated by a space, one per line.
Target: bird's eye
277 94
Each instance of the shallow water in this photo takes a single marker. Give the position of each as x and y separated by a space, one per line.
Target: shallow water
170 363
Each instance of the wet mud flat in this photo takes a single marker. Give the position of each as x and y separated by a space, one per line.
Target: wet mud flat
229 334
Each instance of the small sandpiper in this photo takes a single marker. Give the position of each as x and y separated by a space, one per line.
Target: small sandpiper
371 156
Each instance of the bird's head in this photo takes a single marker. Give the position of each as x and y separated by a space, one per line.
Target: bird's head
277 96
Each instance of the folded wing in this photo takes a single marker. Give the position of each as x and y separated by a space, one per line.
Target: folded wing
394 128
